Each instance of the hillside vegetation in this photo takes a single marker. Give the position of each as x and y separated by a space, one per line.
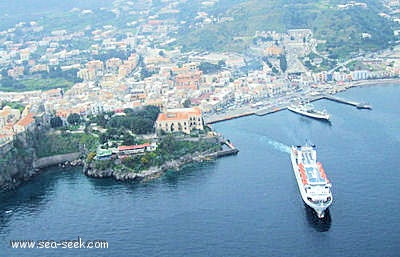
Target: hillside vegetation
342 28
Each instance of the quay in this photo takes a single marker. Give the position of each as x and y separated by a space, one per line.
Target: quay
223 117
231 150
348 102
266 111
246 112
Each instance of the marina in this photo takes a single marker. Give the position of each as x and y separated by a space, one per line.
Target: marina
261 111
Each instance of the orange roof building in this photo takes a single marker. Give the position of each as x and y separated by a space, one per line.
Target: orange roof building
132 147
190 80
24 124
180 120
9 115
273 51
124 150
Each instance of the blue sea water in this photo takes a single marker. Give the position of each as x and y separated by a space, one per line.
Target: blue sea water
244 205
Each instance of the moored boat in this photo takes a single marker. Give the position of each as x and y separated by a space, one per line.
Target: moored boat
309 111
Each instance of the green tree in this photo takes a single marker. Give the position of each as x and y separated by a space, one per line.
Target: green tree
129 139
56 122
283 62
90 157
103 138
187 103
74 119
207 67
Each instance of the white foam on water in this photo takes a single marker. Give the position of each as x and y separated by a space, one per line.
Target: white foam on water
276 145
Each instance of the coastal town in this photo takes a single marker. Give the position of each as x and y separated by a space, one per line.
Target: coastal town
115 69
199 128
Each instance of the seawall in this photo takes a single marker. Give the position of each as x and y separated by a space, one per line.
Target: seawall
54 160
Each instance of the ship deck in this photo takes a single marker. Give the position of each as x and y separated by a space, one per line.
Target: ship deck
313 175
311 169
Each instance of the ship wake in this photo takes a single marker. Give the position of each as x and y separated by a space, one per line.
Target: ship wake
276 144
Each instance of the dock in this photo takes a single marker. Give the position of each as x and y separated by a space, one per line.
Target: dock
348 102
223 117
266 111
247 112
232 150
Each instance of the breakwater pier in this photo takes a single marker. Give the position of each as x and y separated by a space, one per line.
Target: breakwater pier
346 101
232 150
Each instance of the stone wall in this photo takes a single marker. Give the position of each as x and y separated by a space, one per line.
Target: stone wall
54 160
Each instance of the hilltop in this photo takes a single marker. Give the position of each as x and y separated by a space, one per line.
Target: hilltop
342 24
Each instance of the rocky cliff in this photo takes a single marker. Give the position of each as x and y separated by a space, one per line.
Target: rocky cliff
18 161
16 164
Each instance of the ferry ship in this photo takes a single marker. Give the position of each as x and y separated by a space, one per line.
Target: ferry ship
309 111
314 186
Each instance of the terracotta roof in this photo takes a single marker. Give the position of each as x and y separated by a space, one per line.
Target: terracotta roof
119 110
179 114
63 113
27 120
9 137
8 126
172 116
4 113
55 91
132 147
154 22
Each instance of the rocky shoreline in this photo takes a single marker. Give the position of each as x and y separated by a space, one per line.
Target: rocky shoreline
73 163
154 172
12 181
20 171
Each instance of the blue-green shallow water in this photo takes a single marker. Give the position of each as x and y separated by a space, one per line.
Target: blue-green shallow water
245 205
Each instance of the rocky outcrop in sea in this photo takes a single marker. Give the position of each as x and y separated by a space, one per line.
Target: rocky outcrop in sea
151 173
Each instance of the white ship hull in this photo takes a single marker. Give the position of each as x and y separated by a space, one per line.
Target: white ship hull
314 191
313 114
